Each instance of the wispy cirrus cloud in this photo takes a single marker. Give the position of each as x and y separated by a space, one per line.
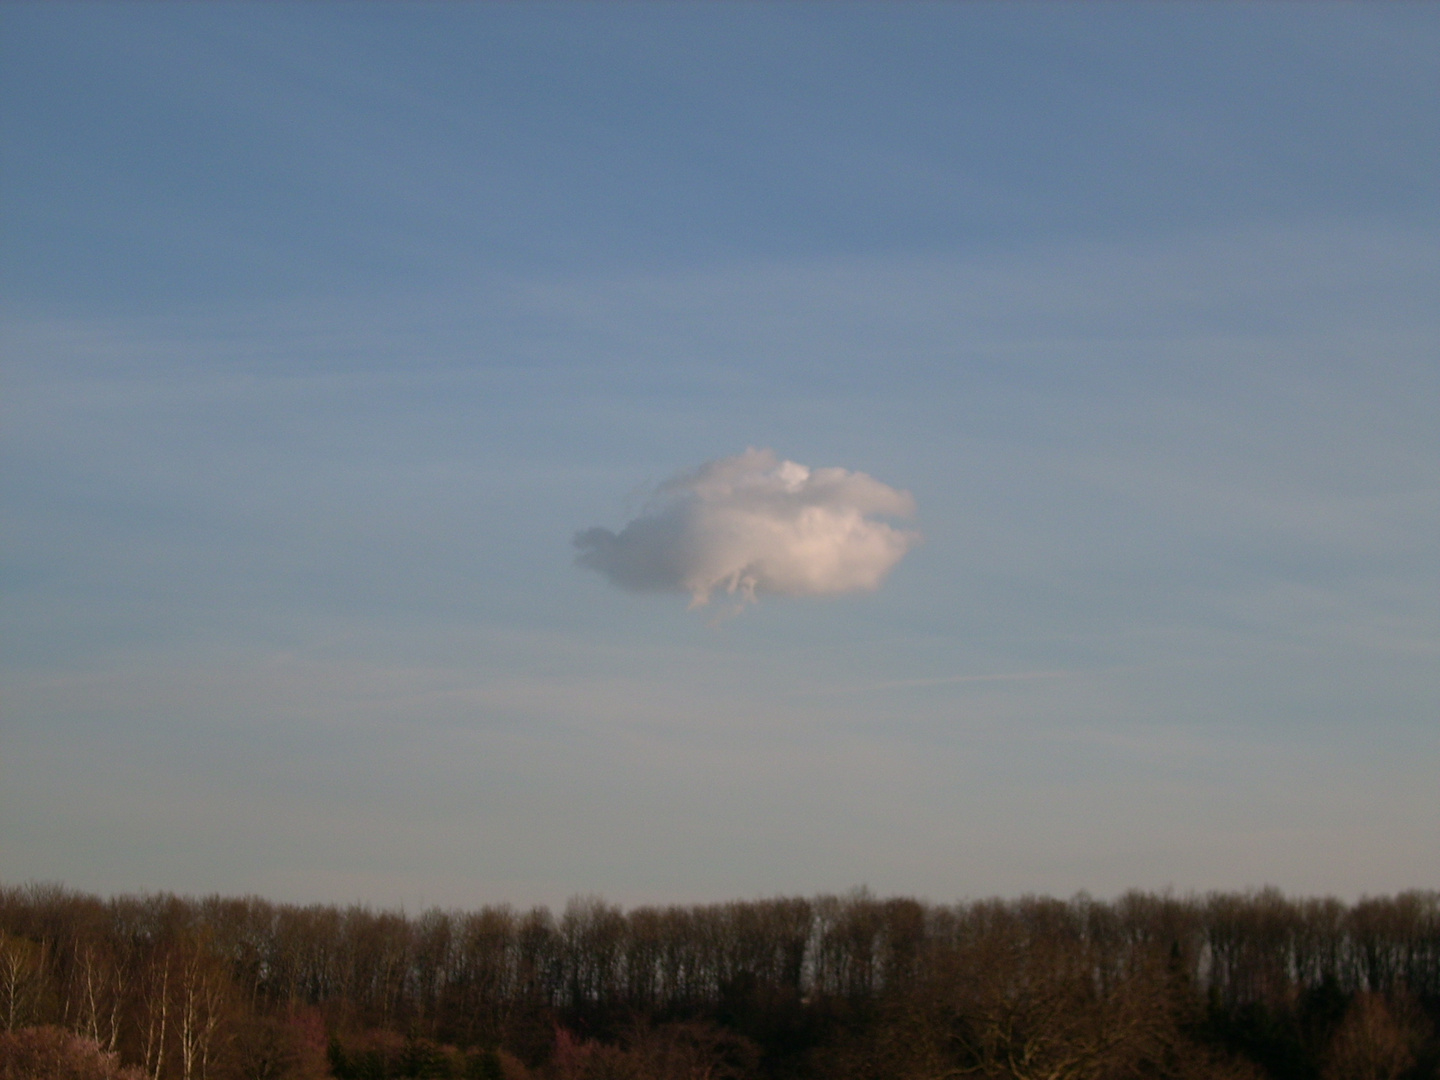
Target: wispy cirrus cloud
753 524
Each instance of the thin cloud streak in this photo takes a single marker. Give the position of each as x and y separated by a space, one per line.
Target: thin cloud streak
951 680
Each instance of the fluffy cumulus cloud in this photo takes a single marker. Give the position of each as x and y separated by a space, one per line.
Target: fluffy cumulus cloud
753 524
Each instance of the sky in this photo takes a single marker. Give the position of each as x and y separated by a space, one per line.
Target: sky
489 453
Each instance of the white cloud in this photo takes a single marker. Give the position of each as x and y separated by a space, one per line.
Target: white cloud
753 524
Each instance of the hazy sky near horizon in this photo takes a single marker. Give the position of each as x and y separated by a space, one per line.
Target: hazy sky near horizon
328 327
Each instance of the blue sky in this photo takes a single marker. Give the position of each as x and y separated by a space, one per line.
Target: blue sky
326 327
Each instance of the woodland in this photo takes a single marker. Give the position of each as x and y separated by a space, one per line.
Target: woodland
1254 985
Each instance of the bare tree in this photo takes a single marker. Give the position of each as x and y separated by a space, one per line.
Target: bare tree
201 989
99 978
22 976
155 1008
1377 1041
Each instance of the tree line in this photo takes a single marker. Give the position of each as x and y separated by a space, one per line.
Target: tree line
848 988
